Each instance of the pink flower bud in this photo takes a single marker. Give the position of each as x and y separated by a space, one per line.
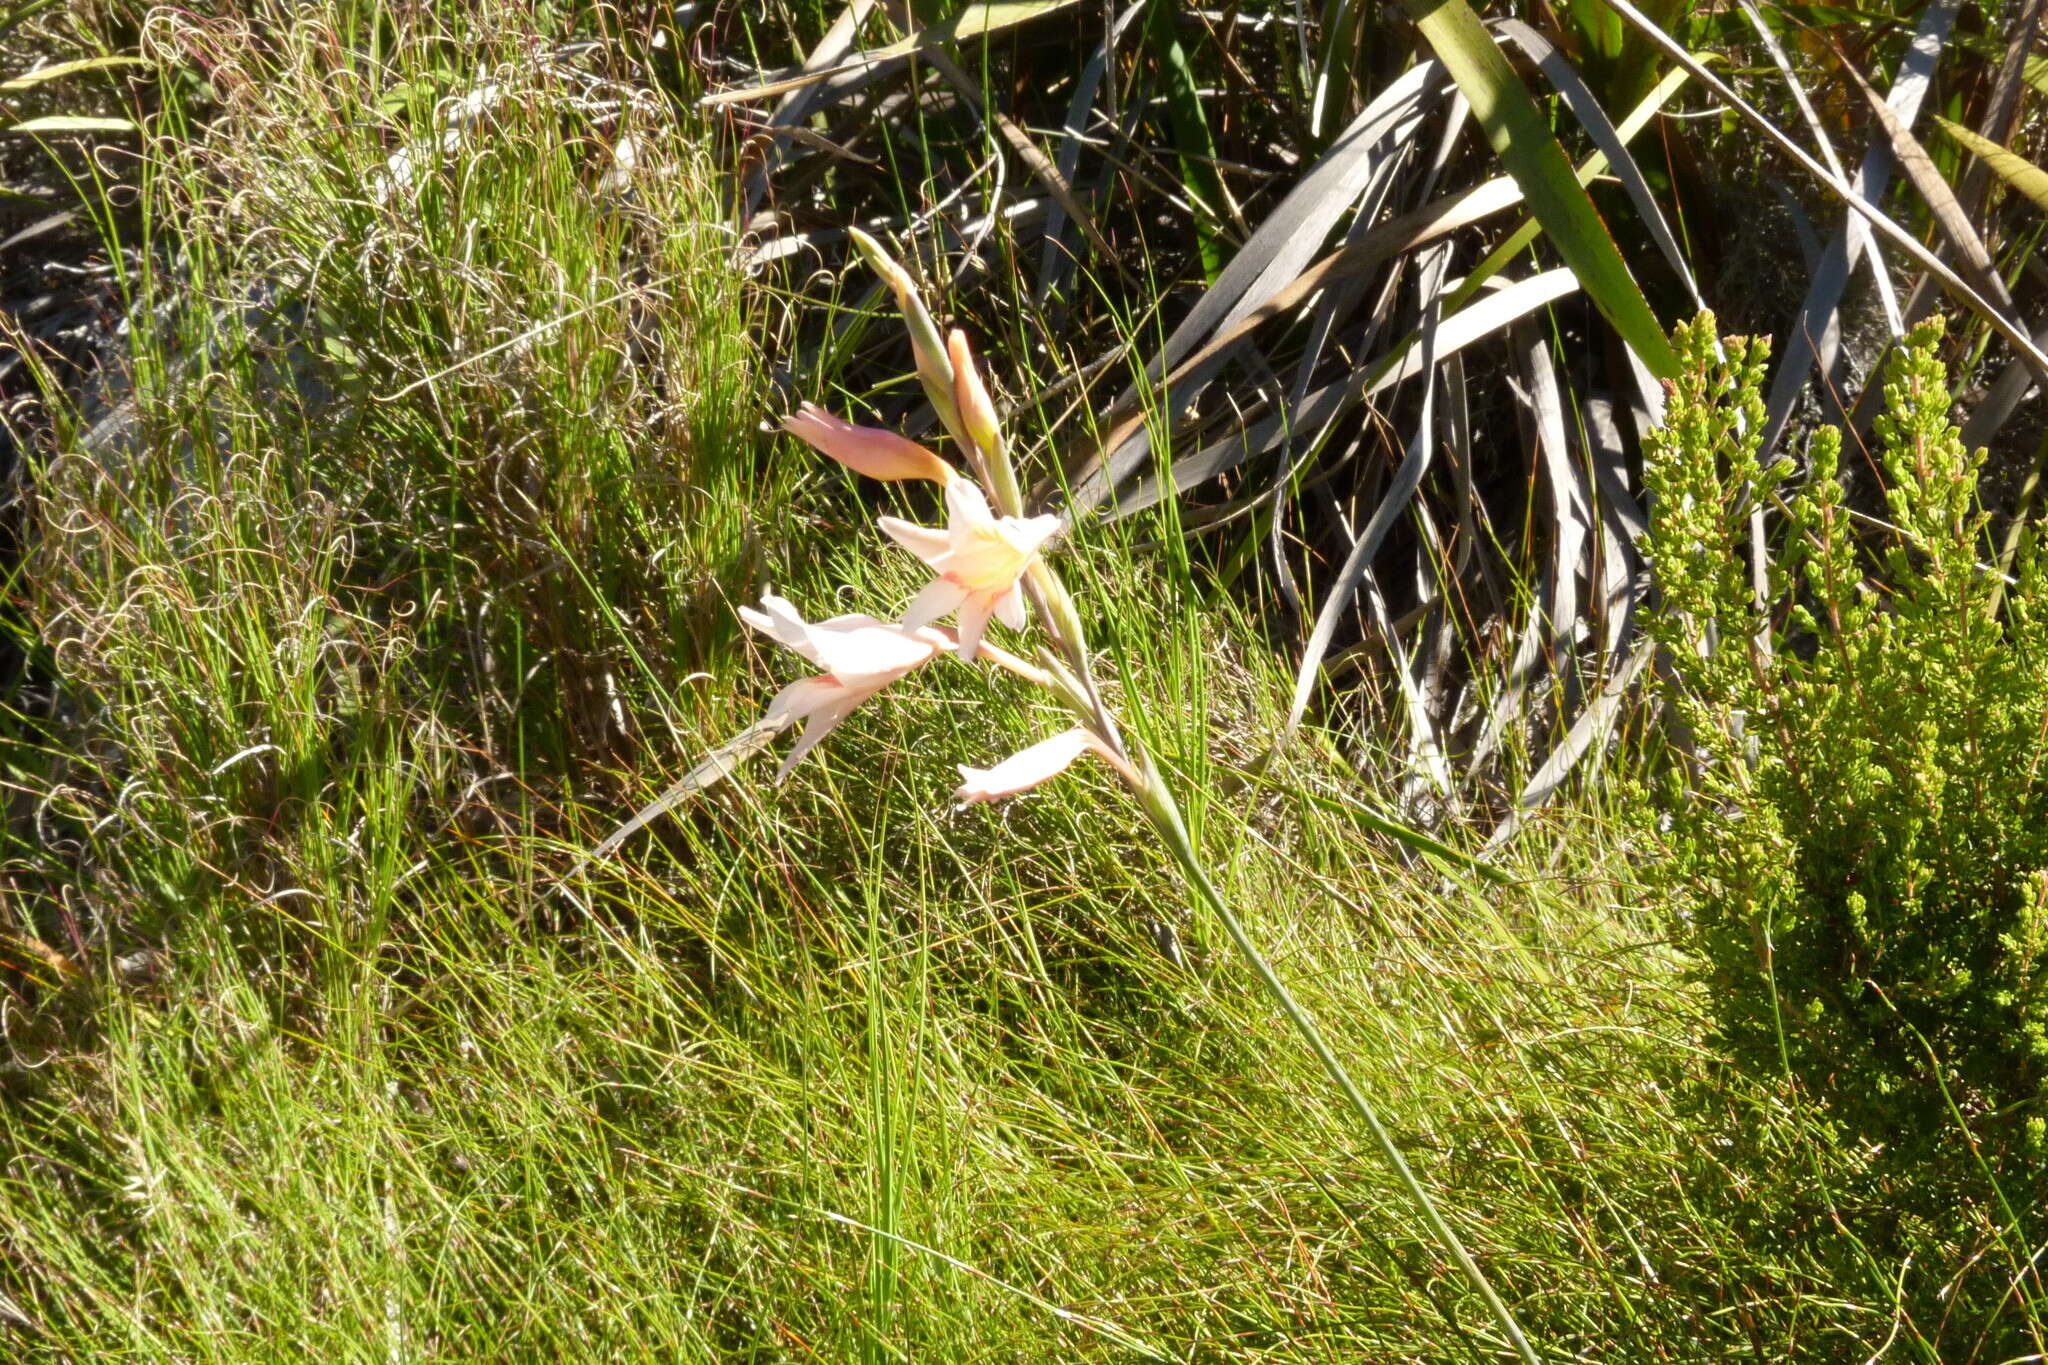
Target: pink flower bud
871 451
970 395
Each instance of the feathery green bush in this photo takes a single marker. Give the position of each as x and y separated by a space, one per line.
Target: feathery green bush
1863 861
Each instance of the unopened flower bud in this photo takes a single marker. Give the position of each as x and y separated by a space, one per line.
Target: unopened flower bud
978 416
871 451
977 412
934 371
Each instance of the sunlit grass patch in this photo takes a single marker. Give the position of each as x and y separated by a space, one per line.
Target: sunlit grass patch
417 575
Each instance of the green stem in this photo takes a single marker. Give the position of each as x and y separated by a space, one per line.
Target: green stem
1166 818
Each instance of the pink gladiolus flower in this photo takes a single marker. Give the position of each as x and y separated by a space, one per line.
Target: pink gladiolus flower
978 558
871 451
860 656
1020 772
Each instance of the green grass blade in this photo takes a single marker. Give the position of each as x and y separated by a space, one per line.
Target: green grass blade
1359 815
1196 145
2014 169
1515 127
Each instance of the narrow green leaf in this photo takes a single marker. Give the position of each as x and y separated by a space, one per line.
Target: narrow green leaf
2015 170
1515 127
1379 824
1190 132
1595 166
2034 70
72 123
59 70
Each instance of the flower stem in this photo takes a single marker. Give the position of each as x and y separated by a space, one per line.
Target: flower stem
1149 786
1166 818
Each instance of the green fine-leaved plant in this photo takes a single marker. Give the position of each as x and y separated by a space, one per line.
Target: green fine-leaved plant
1856 838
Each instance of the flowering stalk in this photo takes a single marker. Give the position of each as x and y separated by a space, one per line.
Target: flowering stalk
987 563
1155 798
1159 807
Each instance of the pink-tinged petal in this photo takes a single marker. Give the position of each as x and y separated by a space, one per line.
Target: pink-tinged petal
974 617
871 451
779 621
822 723
941 598
864 656
851 620
925 542
978 565
851 647
873 651
1021 772
1009 608
804 698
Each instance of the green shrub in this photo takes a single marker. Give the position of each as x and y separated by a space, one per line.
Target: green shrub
1857 838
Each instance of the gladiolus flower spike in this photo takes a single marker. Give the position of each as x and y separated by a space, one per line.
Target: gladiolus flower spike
979 559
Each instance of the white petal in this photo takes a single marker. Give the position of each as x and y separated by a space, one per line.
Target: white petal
1021 772
822 724
870 650
804 698
966 508
1009 605
852 620
1028 533
974 616
782 624
940 598
923 541
787 617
